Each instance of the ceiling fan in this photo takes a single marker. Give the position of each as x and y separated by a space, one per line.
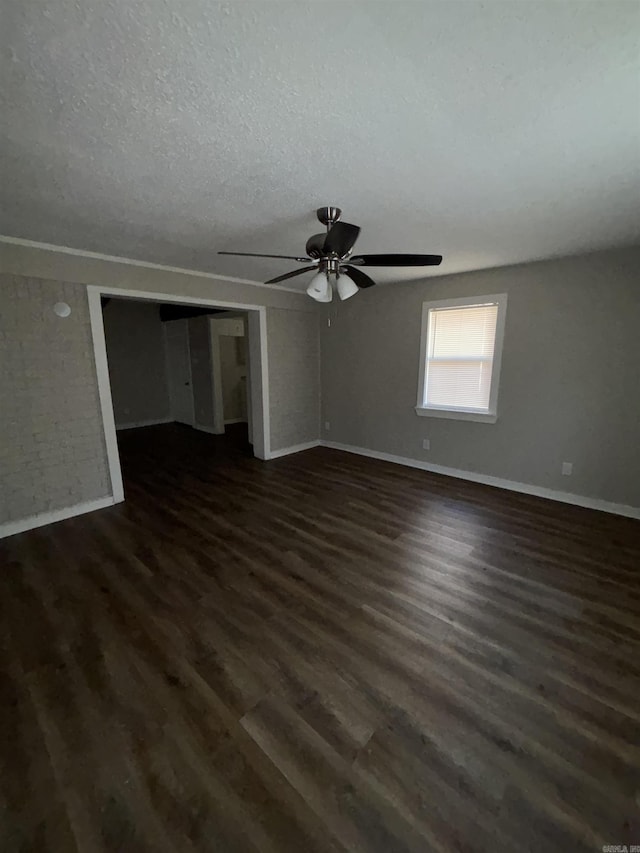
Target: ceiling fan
330 257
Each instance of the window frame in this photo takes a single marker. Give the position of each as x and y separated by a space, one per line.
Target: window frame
465 414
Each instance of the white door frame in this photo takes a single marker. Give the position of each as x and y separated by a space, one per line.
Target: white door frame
257 334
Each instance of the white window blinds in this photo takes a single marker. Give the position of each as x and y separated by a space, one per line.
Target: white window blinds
460 349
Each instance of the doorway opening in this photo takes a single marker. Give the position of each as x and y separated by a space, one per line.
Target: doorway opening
195 371
207 369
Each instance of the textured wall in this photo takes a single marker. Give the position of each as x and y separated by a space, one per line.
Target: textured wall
569 386
136 355
293 346
52 452
294 370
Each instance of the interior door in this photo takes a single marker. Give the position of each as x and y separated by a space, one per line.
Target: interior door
179 371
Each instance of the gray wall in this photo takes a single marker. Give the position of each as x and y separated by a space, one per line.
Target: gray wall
233 369
201 378
63 266
136 355
52 452
294 363
570 376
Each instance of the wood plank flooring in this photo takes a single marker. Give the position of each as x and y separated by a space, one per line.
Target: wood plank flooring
319 653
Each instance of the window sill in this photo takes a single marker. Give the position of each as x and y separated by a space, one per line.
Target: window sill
457 415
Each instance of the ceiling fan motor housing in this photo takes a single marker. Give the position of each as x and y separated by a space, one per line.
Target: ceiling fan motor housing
328 215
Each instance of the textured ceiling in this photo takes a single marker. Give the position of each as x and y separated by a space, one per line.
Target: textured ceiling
493 133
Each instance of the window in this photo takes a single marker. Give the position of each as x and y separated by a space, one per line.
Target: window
460 354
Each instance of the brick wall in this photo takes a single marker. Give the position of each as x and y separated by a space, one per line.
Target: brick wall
52 452
294 377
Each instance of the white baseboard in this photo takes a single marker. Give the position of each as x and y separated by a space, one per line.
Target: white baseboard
42 518
498 482
137 424
211 430
236 421
296 448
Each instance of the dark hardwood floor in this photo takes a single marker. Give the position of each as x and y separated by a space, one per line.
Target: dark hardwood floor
319 653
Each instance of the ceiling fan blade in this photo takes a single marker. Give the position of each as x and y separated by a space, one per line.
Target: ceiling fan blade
341 239
360 278
315 245
290 275
396 260
257 255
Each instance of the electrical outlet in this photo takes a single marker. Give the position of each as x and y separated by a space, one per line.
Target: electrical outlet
426 444
567 469
327 426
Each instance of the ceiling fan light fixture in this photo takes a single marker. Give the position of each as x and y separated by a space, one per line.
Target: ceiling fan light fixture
319 288
346 286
